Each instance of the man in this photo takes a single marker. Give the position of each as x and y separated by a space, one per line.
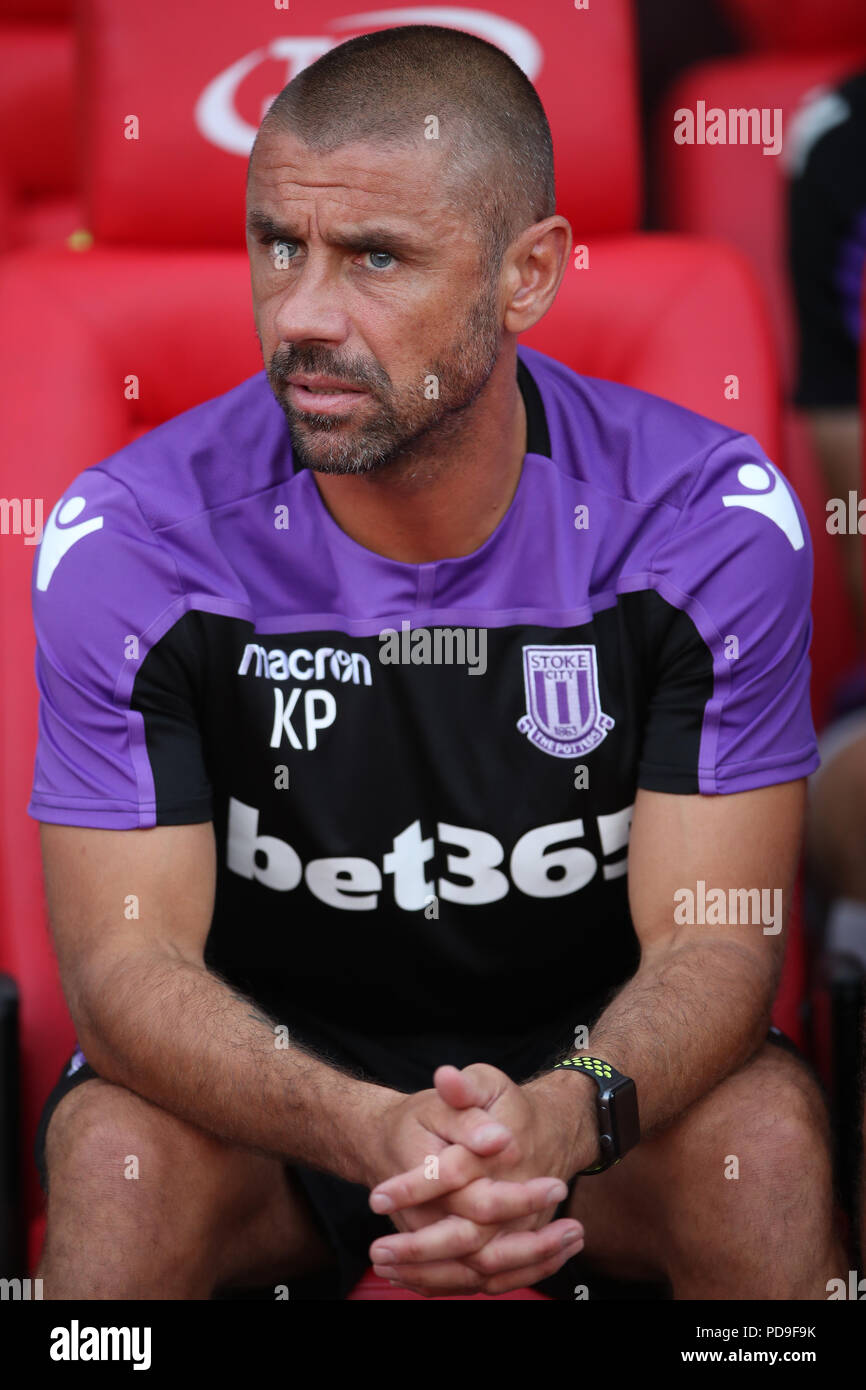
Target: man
827 259
327 916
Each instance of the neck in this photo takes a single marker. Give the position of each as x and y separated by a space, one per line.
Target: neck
426 507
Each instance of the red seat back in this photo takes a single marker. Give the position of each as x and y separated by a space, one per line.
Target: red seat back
39 175
737 192
799 24
199 76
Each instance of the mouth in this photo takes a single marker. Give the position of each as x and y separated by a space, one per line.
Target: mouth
323 396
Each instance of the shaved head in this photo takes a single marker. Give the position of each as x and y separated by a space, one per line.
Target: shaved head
382 89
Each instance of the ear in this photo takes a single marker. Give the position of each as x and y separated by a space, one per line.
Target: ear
535 264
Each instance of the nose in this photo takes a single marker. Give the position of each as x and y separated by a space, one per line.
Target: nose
311 307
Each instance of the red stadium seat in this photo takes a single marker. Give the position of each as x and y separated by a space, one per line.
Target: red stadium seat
200 98
164 294
39 182
799 24
371 1288
736 192
37 11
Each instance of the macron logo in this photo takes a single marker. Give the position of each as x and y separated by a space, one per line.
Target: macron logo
768 494
59 536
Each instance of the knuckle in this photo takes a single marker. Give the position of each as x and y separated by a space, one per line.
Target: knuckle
486 1262
461 1167
483 1072
469 1235
483 1207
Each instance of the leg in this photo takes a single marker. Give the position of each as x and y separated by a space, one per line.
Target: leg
836 846
835 823
201 1215
670 1210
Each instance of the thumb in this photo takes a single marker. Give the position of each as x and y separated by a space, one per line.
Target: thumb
461 1091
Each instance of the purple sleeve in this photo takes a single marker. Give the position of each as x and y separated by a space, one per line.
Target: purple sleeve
104 592
738 563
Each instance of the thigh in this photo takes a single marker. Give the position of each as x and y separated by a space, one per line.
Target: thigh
241 1214
760 1113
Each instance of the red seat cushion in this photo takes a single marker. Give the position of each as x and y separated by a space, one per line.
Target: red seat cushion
371 1287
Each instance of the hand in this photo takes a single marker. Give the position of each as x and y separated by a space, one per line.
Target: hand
471 1210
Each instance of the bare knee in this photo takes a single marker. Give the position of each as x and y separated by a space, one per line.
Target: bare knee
142 1204
105 1137
764 1129
132 1211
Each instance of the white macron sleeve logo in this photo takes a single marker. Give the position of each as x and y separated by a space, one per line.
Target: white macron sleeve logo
58 537
768 494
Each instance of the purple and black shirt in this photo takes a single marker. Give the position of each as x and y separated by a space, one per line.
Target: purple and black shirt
423 860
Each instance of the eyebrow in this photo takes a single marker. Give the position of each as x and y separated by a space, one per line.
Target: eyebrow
363 239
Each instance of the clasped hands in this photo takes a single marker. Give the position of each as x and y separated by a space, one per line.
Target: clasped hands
480 1165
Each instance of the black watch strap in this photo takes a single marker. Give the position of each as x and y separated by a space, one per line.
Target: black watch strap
619 1128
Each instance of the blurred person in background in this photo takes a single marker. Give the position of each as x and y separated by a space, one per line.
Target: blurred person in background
827 233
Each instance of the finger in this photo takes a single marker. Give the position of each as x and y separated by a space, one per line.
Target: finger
477 1085
454 1167
517 1250
489 1203
532 1274
527 1250
457 1288
448 1239
442 1280
457 1233
442 1173
471 1126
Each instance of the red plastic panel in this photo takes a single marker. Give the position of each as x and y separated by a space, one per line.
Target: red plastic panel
199 76
38 146
735 191
75 326
784 24
675 316
28 11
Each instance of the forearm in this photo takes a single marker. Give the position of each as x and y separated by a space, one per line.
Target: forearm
181 1037
688 1018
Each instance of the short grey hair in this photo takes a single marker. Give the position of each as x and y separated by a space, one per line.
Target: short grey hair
381 87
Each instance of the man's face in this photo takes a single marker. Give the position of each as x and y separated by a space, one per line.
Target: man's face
360 273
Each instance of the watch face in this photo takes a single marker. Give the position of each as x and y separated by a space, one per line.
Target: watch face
625 1123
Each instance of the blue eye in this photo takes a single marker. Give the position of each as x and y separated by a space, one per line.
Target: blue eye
381 253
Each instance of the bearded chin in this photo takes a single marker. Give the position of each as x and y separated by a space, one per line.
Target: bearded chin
341 454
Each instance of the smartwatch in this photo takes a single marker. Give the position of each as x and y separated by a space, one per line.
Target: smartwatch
616 1107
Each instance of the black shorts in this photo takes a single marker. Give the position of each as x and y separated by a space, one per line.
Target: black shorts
339 1208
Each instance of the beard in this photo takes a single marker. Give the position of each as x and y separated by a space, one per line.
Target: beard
399 420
